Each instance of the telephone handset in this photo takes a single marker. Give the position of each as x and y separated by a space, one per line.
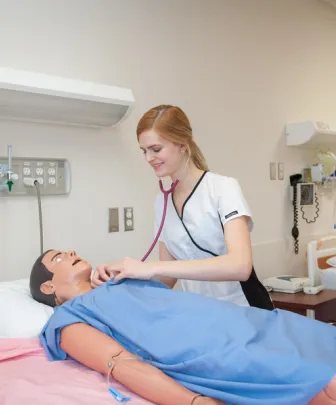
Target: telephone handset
304 194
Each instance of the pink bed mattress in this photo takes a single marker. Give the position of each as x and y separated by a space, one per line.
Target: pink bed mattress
28 378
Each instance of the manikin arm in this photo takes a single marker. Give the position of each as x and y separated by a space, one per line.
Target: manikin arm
98 349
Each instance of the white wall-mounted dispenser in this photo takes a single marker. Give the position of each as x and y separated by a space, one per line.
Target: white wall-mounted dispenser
312 134
35 97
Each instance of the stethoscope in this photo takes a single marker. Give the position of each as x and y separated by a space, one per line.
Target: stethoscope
165 195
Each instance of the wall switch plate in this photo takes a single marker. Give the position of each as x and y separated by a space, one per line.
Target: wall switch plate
128 219
113 224
272 171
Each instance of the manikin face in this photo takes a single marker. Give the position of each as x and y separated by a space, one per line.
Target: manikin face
166 157
69 271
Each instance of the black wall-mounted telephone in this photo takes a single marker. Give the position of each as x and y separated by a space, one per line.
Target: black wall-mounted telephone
307 196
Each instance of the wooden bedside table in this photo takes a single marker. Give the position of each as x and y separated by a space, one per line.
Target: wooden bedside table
321 306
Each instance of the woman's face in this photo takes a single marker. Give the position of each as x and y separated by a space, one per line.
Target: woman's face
164 156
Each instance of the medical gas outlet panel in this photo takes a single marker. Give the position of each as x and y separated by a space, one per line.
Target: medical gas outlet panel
53 176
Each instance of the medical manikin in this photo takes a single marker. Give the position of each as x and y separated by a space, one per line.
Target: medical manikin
179 348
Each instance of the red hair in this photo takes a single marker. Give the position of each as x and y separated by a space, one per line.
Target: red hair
171 123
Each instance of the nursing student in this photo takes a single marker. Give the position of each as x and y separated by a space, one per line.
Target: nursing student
205 241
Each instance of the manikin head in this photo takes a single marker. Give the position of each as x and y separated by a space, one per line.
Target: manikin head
165 136
57 277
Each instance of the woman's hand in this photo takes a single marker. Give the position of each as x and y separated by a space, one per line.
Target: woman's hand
101 275
127 268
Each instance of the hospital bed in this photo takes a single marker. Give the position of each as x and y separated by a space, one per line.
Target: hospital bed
26 375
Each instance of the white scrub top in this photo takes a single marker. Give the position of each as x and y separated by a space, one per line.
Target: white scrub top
199 234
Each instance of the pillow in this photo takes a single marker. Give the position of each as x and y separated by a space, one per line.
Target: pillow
332 261
328 278
20 315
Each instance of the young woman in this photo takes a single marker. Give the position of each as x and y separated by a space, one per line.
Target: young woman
205 241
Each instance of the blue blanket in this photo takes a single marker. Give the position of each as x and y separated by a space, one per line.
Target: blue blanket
240 355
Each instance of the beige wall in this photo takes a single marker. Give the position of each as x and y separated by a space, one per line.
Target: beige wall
239 68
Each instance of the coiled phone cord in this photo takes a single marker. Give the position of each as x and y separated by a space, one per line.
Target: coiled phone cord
316 214
295 229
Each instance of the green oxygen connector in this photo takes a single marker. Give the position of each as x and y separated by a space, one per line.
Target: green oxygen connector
10 185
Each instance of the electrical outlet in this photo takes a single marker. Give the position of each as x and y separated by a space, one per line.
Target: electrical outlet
113 224
280 171
128 219
53 175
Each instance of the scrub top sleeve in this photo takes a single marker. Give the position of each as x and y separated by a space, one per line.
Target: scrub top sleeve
232 203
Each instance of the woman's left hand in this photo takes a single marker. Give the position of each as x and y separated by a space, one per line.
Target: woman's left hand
130 268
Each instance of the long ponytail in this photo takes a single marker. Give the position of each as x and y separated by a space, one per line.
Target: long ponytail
197 156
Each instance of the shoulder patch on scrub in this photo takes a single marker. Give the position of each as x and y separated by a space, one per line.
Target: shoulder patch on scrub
231 213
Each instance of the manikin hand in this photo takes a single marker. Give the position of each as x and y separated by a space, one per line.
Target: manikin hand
127 268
